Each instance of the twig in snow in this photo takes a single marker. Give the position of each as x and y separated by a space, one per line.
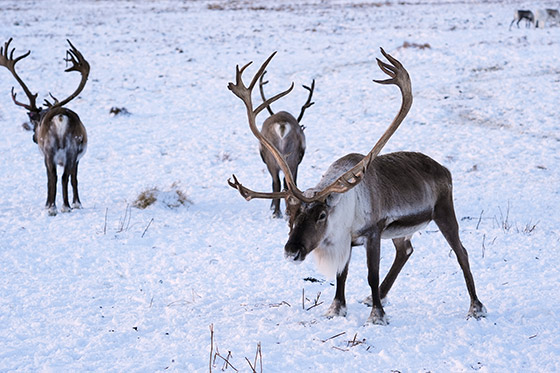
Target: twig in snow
333 337
340 349
124 223
148 226
316 302
354 342
303 298
479 219
211 346
226 361
248 362
258 355
105 224
280 304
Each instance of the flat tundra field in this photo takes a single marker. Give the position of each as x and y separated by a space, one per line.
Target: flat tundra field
197 280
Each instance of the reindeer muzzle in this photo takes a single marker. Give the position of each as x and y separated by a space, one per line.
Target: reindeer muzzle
294 253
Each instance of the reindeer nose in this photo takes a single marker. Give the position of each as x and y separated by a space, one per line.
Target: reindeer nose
294 252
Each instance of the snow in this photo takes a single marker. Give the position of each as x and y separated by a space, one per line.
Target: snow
112 287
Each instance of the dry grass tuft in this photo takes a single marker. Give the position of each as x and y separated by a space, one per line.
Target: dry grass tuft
172 198
406 44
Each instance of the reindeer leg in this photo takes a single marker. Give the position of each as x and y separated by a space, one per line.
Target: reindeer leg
338 305
65 177
403 252
275 205
74 178
51 186
373 247
444 217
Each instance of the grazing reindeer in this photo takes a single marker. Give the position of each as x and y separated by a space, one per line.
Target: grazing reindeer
362 199
286 133
519 15
58 131
544 16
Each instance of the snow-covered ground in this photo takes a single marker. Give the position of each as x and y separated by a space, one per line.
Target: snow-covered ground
115 288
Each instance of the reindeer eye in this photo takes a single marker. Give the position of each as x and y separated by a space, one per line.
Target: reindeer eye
322 216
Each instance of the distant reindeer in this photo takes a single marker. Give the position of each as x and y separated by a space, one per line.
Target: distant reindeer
362 199
286 133
544 16
519 15
58 131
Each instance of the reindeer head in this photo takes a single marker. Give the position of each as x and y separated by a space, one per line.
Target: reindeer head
35 113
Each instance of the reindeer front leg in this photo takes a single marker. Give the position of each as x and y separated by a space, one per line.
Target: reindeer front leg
338 306
373 246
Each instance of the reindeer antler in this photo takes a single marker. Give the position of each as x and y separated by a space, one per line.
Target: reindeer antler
308 103
79 64
261 89
351 178
8 61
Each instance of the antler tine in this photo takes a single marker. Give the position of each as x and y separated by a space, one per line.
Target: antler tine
272 99
239 88
55 101
80 64
249 194
8 61
308 103
261 71
261 89
351 178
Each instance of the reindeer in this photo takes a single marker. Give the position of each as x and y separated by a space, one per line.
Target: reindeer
363 199
544 16
286 133
519 15
58 131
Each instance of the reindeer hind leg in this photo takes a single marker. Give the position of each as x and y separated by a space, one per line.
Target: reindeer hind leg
51 186
76 204
65 177
444 217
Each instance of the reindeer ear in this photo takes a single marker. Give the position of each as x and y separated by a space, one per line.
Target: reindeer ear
333 199
292 201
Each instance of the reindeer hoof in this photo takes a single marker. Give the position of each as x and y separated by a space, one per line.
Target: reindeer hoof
76 205
65 208
477 310
336 309
377 317
367 301
276 215
51 210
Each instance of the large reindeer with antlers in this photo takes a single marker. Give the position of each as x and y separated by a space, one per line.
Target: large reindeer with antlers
362 199
286 133
58 131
